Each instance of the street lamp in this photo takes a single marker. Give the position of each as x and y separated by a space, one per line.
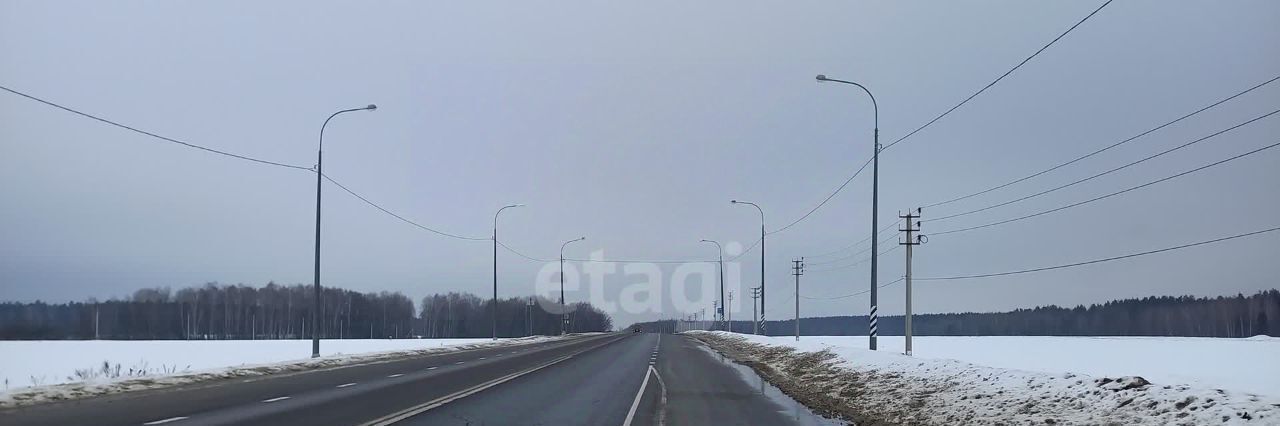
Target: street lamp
315 304
720 252
762 321
564 313
875 188
495 267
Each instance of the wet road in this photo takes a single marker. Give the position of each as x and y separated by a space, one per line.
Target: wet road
621 379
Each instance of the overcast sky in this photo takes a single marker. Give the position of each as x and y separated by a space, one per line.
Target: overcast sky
633 124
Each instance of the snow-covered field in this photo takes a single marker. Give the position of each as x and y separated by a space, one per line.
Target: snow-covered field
1003 380
26 364
1243 365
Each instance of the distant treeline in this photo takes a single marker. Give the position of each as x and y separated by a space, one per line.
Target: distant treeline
1238 316
274 311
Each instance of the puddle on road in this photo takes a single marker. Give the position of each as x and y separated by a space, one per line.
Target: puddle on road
790 407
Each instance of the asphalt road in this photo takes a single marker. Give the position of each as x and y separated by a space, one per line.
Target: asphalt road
612 379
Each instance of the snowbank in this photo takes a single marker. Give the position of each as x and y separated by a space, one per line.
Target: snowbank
838 376
1243 365
35 371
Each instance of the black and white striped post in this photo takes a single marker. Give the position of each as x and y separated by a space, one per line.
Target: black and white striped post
873 324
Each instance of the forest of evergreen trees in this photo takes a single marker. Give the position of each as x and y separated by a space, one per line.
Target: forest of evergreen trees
1234 316
274 311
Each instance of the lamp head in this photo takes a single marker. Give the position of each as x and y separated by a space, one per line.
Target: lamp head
733 201
822 77
371 107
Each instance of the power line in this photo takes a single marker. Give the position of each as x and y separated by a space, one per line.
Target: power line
863 260
776 306
863 240
1099 151
825 200
1108 259
1001 77
144 132
517 253
939 117
389 212
1080 203
1109 171
851 255
748 250
236 156
641 260
535 259
853 294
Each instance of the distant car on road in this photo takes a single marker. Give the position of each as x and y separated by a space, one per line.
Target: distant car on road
635 329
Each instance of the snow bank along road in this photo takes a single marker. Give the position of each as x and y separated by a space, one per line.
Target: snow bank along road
49 362
621 378
842 376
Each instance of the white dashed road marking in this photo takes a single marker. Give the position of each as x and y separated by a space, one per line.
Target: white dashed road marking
346 385
278 398
432 368
396 375
160 422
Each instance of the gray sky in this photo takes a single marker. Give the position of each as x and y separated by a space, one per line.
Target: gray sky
632 124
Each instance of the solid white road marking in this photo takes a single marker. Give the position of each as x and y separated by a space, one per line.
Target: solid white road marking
396 375
636 404
347 384
278 398
160 422
662 403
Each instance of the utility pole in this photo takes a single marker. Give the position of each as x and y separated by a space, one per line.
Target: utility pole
715 308
528 316
729 315
798 270
912 239
755 323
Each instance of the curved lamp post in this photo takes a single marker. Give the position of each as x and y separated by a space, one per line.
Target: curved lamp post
564 313
494 317
762 233
875 188
720 252
315 303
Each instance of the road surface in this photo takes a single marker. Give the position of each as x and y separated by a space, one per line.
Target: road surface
610 379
